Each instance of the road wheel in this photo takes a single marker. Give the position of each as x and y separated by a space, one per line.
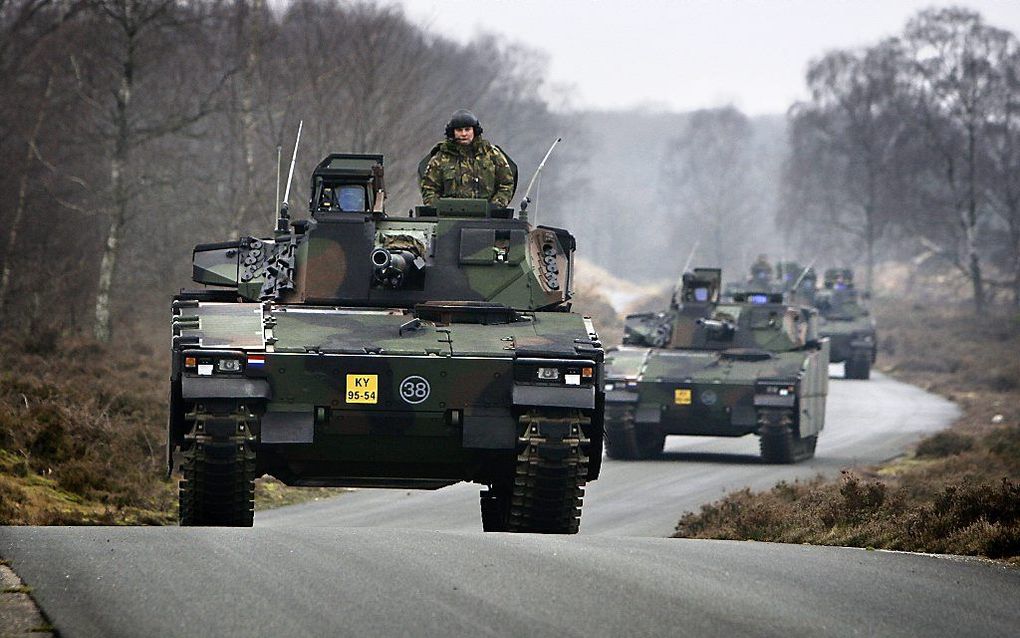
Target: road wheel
219 470
550 473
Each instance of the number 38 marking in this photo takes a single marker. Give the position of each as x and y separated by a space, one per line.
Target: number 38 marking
414 389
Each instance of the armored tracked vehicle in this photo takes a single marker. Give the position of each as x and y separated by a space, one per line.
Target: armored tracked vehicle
762 278
357 349
753 365
847 324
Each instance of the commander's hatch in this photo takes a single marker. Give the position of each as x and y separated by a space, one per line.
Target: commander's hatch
347 183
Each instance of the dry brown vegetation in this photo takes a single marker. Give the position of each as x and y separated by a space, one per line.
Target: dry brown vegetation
82 435
957 492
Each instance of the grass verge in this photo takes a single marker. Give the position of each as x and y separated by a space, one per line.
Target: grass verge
83 434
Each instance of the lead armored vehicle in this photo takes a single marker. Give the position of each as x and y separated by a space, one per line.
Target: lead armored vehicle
847 324
357 349
753 365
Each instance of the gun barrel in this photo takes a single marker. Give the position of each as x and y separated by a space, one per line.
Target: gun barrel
391 267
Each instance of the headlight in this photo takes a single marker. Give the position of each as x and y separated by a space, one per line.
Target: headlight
228 365
548 374
609 387
775 394
554 372
778 389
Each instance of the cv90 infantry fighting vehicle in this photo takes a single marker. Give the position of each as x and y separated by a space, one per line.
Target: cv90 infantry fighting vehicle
847 324
356 349
753 365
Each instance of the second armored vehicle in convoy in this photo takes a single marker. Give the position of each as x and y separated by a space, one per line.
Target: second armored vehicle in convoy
753 365
847 324
357 349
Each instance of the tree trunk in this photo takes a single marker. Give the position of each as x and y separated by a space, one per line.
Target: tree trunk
106 268
1014 236
971 222
120 193
19 208
248 36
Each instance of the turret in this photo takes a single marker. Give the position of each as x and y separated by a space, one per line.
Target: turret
351 253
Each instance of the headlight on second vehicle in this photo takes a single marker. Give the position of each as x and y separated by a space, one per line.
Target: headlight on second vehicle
556 372
776 394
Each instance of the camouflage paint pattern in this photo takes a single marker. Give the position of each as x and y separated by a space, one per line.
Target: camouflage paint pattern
710 366
444 387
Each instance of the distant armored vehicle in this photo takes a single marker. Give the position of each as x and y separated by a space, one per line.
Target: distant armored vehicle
356 349
753 365
761 279
847 324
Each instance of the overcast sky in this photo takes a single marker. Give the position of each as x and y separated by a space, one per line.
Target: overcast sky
685 54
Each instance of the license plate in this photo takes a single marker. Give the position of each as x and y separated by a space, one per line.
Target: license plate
682 396
362 388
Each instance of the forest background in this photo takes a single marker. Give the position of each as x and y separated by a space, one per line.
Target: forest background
131 130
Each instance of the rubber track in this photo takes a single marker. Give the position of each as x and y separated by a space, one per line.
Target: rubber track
785 447
631 444
218 487
550 475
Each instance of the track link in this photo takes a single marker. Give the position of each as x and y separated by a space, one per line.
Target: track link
218 487
550 474
629 442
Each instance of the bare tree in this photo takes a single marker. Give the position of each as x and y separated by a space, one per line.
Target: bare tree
1002 186
134 27
14 225
843 172
706 179
954 62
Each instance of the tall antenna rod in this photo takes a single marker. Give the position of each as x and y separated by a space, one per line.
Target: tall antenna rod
527 193
687 264
279 152
283 220
803 273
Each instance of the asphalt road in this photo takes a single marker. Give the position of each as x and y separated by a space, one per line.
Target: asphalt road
393 563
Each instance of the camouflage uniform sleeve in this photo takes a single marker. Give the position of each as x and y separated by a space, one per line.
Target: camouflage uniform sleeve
504 180
432 182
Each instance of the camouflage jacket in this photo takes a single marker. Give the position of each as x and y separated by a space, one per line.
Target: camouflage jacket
479 171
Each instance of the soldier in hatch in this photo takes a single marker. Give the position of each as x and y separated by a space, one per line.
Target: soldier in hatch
761 270
467 165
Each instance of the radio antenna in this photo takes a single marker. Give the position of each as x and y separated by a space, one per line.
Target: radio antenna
283 220
527 193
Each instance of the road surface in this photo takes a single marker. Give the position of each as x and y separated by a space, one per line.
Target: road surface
398 563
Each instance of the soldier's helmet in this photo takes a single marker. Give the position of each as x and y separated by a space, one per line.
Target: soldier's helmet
462 118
